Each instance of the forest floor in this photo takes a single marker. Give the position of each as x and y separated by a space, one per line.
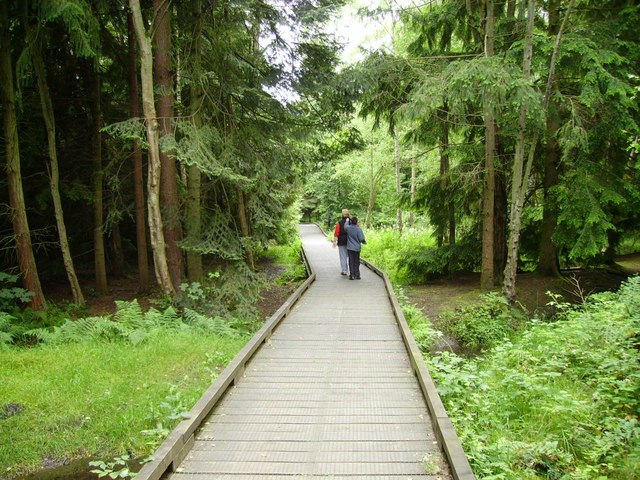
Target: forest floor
273 295
433 298
446 295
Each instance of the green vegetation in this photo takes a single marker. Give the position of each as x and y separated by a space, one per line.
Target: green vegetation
112 387
102 398
560 400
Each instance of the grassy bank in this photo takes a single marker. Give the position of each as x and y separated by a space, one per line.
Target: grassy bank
96 399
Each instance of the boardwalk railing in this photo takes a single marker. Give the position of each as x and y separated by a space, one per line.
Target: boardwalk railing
445 431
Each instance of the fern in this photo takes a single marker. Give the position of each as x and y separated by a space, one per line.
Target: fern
210 325
138 336
129 314
41 335
169 317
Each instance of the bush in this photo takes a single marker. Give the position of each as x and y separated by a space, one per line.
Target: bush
485 324
421 327
560 402
11 297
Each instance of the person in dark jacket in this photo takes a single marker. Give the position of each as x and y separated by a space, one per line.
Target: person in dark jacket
340 239
355 239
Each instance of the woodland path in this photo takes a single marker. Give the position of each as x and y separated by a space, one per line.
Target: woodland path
331 394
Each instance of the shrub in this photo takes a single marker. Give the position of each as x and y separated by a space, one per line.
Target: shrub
561 401
485 324
11 297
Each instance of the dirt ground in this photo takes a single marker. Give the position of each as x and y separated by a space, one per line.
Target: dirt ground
127 288
445 295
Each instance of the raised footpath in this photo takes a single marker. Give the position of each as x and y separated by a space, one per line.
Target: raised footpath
334 389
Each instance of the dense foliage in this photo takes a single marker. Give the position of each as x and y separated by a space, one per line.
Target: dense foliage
559 401
429 93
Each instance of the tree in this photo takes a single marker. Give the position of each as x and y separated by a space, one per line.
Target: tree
138 180
168 176
193 220
153 179
487 273
24 251
34 54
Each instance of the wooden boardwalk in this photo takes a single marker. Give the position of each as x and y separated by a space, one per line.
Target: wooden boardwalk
331 394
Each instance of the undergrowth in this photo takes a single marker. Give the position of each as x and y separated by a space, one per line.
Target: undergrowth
559 401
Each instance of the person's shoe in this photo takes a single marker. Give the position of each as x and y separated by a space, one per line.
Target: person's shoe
357 278
350 277
343 273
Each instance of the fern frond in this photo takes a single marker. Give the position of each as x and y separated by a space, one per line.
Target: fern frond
170 317
215 325
42 335
129 313
137 336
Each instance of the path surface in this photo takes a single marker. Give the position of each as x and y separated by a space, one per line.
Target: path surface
330 396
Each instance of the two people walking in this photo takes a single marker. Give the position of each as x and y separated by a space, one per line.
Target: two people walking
349 238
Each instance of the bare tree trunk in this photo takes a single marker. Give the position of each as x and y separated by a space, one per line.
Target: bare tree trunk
193 222
168 178
414 171
520 174
117 265
153 178
26 260
444 173
53 170
396 141
373 191
98 206
487 274
548 259
138 177
500 213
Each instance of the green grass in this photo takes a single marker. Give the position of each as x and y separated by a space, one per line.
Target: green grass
95 399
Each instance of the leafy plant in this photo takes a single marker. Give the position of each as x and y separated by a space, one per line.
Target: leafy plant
116 468
485 324
11 297
562 400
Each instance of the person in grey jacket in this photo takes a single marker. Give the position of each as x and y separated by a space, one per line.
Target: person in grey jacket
355 239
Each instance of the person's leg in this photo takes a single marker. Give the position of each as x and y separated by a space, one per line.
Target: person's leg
356 265
352 263
344 259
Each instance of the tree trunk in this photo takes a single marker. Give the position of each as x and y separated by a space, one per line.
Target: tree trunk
487 273
373 191
396 142
26 260
520 174
53 170
245 228
548 257
414 171
193 222
153 178
169 185
138 177
548 260
500 213
444 172
117 265
98 206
